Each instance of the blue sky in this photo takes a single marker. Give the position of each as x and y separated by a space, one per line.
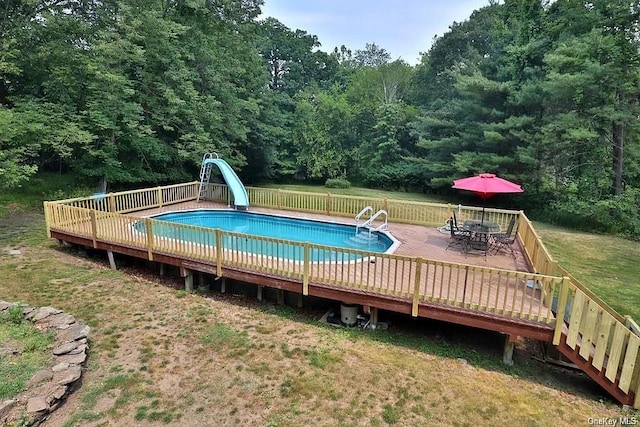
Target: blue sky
403 27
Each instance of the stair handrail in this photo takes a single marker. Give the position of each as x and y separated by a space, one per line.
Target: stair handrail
362 212
382 227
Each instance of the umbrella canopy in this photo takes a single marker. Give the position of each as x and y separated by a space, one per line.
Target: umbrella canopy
486 185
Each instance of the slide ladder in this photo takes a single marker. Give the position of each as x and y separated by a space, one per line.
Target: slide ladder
205 175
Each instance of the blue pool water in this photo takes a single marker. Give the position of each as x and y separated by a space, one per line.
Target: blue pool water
299 230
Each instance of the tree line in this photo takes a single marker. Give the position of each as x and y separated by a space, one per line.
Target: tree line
133 92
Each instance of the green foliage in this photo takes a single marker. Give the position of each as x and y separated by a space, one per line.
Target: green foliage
614 214
131 93
13 315
390 414
337 183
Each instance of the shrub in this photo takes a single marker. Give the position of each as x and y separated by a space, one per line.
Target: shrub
337 183
612 214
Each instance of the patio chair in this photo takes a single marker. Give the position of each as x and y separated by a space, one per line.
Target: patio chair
455 222
506 240
459 237
507 234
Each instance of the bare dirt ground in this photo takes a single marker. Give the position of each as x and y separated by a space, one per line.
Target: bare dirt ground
160 356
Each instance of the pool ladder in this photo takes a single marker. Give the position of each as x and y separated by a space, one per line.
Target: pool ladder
368 224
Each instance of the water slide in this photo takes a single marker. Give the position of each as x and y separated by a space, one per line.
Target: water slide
240 196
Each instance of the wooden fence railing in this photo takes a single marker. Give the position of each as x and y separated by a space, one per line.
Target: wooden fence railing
135 200
537 253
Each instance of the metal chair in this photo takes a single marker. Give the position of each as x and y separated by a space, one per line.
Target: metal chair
508 239
459 237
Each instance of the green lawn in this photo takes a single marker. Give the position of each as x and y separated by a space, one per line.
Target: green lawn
607 265
360 192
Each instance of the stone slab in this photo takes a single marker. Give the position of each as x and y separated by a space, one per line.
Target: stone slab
72 359
65 348
77 331
73 373
37 404
44 312
40 377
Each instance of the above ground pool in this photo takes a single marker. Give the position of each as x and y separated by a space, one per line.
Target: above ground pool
285 228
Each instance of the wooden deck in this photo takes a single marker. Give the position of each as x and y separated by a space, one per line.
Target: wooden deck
503 293
470 289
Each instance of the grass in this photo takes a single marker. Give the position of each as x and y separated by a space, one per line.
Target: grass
607 265
360 192
28 350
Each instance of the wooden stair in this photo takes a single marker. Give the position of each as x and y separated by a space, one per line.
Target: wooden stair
599 376
597 342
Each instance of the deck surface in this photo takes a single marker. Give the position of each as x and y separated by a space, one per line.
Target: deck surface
415 240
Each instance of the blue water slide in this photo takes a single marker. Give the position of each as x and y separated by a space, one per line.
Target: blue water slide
240 196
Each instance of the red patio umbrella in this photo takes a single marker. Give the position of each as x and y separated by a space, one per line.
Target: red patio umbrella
486 185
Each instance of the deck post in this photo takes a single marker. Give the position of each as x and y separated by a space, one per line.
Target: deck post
328 204
299 300
279 199
280 297
94 229
223 285
188 281
149 238
47 219
260 292
562 304
305 273
373 317
112 261
416 287
159 197
509 345
162 270
219 253
112 203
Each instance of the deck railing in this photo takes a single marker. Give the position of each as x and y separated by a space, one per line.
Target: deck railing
605 339
481 289
136 200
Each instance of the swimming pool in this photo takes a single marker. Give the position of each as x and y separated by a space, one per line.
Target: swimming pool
285 228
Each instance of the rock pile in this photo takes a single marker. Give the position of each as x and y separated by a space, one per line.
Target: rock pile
47 389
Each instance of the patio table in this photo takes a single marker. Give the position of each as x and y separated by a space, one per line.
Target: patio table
480 234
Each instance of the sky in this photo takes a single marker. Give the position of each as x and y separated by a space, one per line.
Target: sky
404 28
